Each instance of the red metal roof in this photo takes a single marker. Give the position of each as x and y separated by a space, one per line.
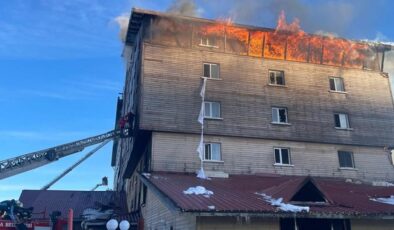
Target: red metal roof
47 201
238 194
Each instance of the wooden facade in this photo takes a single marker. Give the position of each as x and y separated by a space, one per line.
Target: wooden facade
172 80
163 80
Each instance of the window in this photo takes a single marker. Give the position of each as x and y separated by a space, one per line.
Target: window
212 152
208 41
276 77
279 115
212 109
345 159
211 70
282 156
336 84
341 121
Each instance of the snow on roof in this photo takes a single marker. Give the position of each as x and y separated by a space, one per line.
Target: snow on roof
382 183
198 190
283 206
385 200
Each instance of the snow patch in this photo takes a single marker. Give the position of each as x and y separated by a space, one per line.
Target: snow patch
147 175
283 206
198 190
385 200
382 183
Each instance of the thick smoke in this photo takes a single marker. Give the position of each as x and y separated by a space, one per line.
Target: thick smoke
123 22
330 17
184 7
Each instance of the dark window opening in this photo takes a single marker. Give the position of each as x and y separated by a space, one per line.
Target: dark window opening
309 193
345 159
276 77
313 224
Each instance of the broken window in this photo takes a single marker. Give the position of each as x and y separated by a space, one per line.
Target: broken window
212 109
346 159
279 115
336 84
282 156
341 121
211 70
276 77
212 152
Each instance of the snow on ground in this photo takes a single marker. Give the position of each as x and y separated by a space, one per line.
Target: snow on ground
385 200
198 190
283 206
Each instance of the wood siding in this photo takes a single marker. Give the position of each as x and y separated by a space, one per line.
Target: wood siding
171 102
232 223
157 216
177 152
372 224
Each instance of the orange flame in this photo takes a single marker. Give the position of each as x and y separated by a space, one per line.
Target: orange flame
289 42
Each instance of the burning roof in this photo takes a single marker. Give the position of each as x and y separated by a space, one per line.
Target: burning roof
286 42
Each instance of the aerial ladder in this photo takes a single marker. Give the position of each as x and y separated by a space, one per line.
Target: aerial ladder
29 161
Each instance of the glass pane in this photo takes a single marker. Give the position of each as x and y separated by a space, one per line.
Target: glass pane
275 117
332 84
216 152
216 109
285 156
280 80
283 115
215 71
272 78
207 109
343 121
339 84
345 159
207 152
206 70
277 157
337 122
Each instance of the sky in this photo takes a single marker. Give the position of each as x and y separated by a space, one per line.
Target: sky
61 69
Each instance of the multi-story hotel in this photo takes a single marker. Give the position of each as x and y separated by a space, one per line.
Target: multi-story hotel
297 128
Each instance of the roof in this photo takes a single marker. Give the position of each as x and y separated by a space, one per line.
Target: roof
137 16
45 202
237 194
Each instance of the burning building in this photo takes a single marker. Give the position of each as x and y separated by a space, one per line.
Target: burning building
293 130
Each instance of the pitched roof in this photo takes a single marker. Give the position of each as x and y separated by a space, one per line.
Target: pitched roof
47 201
238 194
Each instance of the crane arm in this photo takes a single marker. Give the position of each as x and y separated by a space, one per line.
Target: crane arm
29 161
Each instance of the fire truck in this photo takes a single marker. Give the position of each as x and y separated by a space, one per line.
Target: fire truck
12 214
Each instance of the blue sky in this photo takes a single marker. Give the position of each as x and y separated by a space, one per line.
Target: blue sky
61 70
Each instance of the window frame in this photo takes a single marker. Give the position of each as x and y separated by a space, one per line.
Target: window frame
278 115
281 156
211 103
352 159
220 152
208 40
348 127
276 83
210 70
335 84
